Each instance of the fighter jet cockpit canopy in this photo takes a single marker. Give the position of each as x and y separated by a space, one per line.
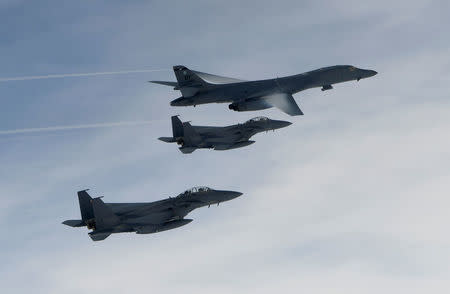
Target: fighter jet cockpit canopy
198 189
258 118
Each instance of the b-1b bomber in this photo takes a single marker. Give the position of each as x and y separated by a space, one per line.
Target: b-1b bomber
191 137
200 88
105 219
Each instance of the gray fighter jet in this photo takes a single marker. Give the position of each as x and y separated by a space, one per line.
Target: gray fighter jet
143 218
200 88
219 138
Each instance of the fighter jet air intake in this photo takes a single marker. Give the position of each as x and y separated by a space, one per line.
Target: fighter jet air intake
219 138
201 88
105 219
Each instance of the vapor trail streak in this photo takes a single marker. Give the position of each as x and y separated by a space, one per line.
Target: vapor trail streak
75 127
78 75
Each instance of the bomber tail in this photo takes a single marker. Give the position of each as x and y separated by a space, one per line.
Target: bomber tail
187 77
189 82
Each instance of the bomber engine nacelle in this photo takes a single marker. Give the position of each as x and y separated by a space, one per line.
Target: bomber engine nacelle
249 105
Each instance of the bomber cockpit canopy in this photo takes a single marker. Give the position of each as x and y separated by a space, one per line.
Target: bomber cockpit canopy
258 118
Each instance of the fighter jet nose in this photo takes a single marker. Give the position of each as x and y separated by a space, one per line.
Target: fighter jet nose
278 124
372 73
233 194
286 124
237 194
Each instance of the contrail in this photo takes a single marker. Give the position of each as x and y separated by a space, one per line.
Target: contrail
76 127
57 76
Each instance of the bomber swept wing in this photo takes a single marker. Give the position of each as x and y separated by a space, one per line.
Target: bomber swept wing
285 102
215 79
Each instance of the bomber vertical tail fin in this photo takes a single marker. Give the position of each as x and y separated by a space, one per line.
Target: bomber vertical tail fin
187 77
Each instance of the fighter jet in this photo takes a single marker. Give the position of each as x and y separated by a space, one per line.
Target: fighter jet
105 219
219 138
200 88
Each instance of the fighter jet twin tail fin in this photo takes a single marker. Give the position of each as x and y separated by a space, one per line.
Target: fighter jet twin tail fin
94 210
184 133
87 213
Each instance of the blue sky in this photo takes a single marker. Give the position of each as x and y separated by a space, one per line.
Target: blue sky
351 198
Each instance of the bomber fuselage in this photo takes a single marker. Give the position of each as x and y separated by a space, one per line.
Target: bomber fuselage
240 91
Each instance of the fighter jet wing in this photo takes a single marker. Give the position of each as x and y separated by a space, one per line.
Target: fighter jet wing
285 102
